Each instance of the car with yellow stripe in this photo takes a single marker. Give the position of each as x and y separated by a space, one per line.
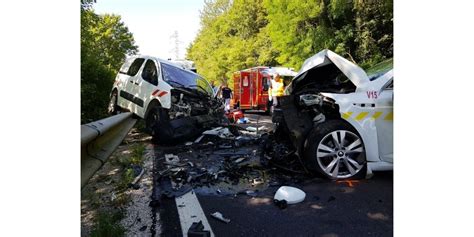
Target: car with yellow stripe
339 117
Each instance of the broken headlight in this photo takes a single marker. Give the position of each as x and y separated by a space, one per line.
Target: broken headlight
311 100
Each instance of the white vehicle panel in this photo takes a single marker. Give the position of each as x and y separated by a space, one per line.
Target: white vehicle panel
361 118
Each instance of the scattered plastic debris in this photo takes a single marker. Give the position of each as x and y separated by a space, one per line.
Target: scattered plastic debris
251 129
197 230
227 161
242 120
219 216
234 115
171 159
220 132
290 194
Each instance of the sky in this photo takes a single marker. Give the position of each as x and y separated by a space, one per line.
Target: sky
153 22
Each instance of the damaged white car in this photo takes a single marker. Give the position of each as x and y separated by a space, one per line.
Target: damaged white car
176 103
338 117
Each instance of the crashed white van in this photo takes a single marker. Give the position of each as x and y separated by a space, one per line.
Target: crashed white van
174 102
338 117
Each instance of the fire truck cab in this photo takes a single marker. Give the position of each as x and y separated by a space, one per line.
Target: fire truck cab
251 86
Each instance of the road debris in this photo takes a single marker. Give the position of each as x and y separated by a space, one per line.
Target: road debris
135 181
227 160
291 195
197 230
219 216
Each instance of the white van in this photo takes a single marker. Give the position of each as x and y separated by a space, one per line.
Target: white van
175 103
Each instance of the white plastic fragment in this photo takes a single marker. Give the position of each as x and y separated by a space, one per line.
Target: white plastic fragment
251 129
198 139
220 132
220 217
171 158
290 194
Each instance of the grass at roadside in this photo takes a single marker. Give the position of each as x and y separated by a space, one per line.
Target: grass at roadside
106 198
128 163
107 224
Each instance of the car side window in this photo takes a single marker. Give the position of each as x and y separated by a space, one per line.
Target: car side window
150 74
389 86
265 83
245 81
133 69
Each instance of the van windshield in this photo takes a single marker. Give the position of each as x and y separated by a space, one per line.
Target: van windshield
181 78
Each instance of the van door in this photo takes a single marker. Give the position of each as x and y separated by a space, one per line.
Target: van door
146 83
245 102
125 97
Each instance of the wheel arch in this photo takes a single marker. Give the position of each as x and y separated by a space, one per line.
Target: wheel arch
369 138
347 111
154 102
115 89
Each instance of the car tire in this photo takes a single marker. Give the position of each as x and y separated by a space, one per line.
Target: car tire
156 124
113 108
335 150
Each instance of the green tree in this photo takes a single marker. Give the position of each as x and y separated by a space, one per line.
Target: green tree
105 43
231 38
239 34
359 30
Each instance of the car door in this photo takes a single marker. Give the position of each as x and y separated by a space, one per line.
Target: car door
128 78
146 83
384 122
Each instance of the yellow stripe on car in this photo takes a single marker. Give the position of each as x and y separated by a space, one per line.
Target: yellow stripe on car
347 115
361 116
376 115
389 116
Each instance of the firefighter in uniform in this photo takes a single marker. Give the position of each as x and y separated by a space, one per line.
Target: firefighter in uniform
276 89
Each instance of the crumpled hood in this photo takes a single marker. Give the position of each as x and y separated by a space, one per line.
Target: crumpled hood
356 74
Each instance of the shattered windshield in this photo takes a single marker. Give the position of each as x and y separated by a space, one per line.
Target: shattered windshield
379 69
181 78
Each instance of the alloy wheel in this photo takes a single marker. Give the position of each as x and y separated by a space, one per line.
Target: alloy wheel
340 154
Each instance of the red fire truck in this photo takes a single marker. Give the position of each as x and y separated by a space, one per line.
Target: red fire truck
251 86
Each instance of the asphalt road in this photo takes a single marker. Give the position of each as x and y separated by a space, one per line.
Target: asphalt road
357 208
330 209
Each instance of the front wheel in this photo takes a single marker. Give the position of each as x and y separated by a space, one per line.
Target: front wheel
335 150
113 107
157 125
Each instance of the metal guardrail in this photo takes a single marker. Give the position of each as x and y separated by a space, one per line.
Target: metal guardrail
99 140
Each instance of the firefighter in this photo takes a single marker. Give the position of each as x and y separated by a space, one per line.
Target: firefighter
276 89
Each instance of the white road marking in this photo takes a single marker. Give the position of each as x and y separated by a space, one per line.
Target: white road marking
190 211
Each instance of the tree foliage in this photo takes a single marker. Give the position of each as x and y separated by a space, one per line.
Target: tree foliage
105 42
244 33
